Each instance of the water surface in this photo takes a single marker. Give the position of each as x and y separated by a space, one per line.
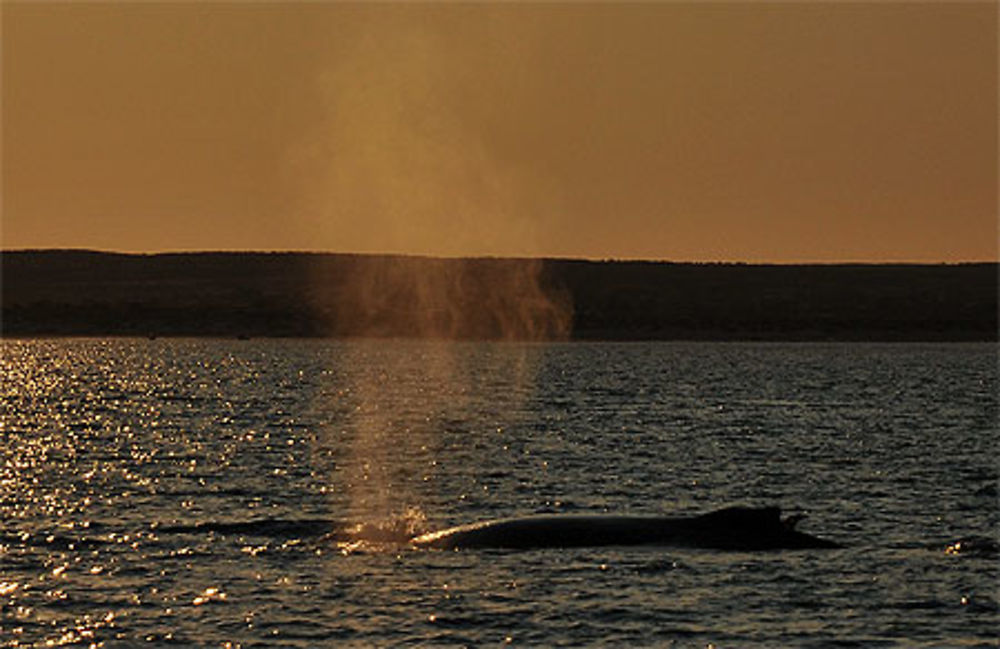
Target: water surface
182 492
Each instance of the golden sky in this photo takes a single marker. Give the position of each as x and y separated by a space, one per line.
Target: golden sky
710 131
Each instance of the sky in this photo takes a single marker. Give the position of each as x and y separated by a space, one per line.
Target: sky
755 132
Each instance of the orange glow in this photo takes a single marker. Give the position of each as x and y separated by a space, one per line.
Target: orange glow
745 132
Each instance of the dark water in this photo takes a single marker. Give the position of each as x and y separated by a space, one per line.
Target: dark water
193 492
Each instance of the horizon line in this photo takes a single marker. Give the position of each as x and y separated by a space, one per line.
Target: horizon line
415 255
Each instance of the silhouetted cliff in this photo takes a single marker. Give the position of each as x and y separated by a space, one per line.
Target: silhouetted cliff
300 294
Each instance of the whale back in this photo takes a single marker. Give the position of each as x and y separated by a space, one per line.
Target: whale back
732 528
548 531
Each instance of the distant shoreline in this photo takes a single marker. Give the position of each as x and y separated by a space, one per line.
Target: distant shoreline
558 259
572 341
77 293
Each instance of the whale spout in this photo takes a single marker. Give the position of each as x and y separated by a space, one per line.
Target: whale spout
732 528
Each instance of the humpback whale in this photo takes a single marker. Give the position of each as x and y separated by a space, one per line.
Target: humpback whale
732 528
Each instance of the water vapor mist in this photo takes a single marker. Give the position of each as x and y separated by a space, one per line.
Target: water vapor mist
408 154
399 163
452 299
407 369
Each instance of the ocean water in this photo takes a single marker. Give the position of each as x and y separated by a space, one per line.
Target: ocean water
260 493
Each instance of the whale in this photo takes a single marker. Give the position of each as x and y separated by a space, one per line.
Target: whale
732 528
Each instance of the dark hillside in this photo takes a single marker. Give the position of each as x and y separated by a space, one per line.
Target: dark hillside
296 294
805 302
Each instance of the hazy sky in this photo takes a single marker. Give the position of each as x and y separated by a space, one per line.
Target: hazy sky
737 132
